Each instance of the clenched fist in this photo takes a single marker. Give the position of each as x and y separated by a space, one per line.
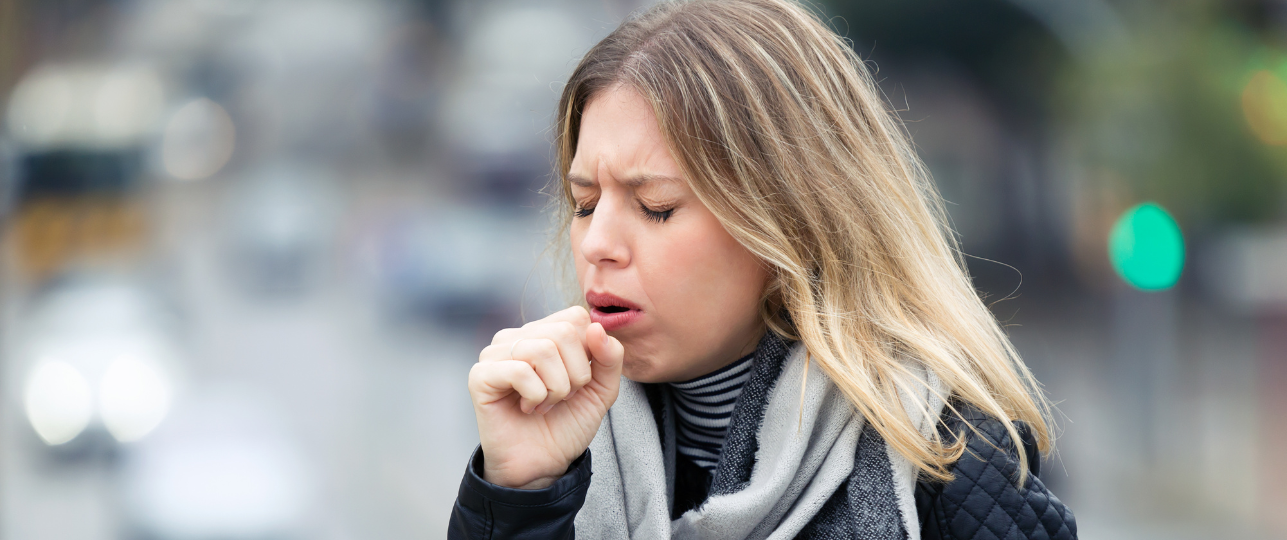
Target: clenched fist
540 393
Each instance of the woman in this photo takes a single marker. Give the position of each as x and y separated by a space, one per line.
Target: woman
778 339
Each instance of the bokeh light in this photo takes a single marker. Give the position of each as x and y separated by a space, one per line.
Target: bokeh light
39 106
59 401
133 398
198 140
127 104
87 106
1264 103
1147 248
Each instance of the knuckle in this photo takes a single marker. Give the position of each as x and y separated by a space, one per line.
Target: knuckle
580 314
520 371
475 376
504 336
565 330
488 353
532 381
547 348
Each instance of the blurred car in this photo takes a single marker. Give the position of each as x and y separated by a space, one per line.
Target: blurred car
281 221
79 133
459 267
97 357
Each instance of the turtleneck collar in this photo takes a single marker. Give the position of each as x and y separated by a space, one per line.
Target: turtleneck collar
705 407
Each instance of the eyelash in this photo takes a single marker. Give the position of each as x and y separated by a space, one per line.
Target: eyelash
657 216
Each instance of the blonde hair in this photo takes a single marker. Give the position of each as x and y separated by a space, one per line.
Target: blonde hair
782 134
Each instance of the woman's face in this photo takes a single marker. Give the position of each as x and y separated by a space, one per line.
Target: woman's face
658 270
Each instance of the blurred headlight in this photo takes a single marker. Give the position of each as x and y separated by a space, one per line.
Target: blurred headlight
102 359
58 401
86 106
133 398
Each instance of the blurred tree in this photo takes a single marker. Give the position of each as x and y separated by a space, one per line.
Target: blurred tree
973 81
1167 115
1003 46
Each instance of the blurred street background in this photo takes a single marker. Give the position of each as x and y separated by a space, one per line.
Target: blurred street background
252 247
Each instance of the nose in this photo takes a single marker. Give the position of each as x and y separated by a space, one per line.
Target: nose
605 243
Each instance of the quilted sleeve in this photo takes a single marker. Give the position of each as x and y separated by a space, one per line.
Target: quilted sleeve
984 502
486 511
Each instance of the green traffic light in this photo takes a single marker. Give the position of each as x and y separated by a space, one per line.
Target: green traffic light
1147 248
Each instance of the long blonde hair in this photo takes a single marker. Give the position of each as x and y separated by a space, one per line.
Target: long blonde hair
782 134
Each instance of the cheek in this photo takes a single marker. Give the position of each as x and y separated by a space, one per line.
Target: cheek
575 234
700 273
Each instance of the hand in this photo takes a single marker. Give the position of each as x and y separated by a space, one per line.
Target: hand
539 409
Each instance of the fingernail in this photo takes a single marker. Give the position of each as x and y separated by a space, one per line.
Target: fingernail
569 396
546 408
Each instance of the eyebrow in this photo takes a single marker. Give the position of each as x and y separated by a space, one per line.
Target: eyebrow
633 181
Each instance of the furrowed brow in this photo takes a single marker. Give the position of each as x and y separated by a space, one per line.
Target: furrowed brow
639 180
580 181
633 181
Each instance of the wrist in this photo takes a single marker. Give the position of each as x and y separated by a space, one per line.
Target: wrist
539 483
524 482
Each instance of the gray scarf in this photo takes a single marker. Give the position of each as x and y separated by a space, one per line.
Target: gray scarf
783 470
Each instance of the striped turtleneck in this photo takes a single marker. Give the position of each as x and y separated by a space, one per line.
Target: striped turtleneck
705 407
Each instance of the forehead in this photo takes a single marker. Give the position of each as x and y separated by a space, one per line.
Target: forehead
619 136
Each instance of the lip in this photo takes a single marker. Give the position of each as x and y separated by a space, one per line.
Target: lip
611 321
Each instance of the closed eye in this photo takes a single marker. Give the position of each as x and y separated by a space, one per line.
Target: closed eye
657 216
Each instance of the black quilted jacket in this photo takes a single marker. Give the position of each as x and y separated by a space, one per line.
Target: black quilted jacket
982 503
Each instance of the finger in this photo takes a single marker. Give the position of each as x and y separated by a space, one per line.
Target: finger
608 355
499 352
572 350
543 355
506 336
577 315
494 381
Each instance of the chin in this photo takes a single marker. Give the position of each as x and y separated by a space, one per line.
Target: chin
636 370
641 370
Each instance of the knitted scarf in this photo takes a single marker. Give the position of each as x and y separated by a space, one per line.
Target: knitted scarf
785 470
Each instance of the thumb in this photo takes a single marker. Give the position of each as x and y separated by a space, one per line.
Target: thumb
607 355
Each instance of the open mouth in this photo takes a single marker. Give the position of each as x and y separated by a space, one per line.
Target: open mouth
612 311
608 303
